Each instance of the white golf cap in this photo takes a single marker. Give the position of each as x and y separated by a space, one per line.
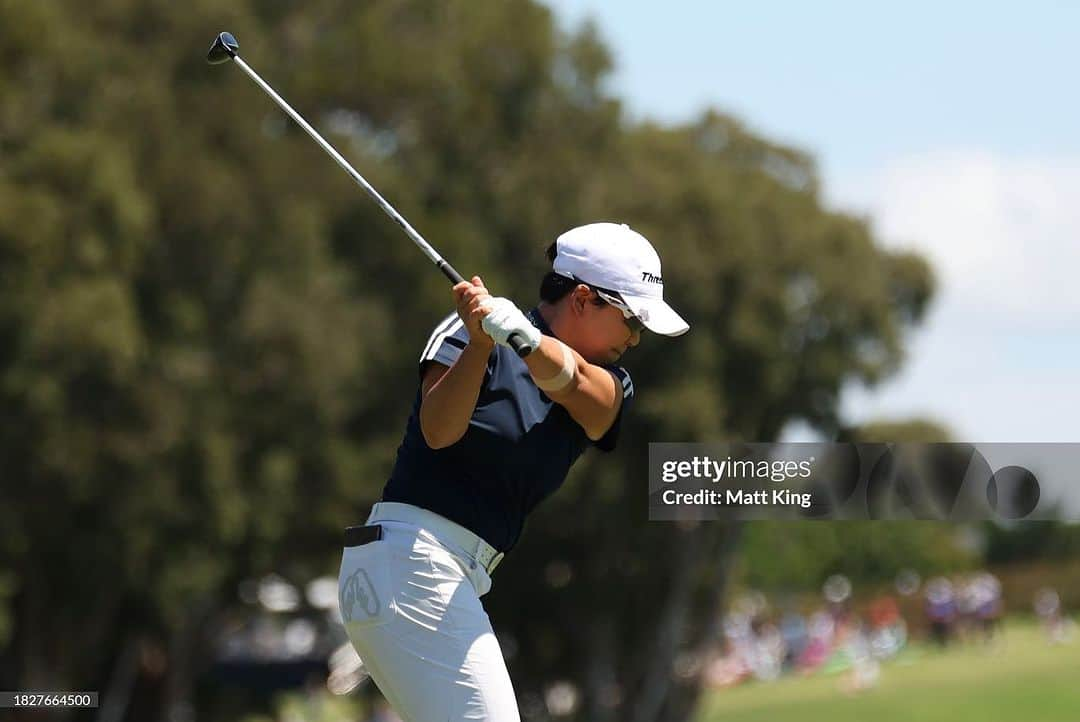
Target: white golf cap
613 257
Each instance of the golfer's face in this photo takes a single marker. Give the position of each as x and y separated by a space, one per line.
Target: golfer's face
609 336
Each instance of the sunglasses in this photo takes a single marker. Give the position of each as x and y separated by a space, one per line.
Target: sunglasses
632 322
612 299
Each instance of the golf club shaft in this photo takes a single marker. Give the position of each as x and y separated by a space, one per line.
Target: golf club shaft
411 232
517 343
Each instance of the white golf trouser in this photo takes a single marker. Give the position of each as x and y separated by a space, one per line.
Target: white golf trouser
411 607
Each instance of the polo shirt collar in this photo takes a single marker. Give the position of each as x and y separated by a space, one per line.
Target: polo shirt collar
538 321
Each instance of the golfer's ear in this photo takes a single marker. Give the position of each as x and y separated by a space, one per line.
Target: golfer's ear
579 298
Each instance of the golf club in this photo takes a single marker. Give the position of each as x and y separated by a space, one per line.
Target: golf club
225 48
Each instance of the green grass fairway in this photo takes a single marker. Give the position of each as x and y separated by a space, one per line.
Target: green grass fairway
1019 679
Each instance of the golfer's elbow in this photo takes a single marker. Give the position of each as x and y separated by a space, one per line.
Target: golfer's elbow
437 433
591 400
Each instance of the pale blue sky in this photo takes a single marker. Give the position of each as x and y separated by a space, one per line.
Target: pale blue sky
854 81
955 127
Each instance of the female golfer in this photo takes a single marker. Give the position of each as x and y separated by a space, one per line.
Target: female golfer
490 436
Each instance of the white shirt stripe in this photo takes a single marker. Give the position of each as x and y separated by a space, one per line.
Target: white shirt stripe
448 327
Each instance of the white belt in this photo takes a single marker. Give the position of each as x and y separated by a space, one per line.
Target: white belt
448 532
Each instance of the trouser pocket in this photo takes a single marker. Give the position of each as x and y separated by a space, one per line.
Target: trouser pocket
364 590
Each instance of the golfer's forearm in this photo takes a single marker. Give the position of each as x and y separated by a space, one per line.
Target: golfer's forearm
449 404
590 397
546 360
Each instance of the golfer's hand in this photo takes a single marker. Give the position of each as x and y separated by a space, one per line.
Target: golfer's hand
470 299
506 319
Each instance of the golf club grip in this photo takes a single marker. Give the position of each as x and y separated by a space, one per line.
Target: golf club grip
520 345
449 272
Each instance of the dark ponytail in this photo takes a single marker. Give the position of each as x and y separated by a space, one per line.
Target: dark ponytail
553 286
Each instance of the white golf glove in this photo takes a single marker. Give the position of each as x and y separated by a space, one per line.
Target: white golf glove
506 319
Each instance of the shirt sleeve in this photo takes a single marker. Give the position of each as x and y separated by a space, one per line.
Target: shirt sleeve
608 441
446 342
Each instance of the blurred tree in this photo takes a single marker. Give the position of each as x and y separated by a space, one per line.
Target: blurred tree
209 336
919 431
800 556
1032 541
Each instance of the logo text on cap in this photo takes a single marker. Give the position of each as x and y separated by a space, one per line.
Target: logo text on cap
650 278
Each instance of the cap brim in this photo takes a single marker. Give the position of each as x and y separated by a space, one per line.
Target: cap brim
657 315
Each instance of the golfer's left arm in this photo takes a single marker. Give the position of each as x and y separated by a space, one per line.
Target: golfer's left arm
592 396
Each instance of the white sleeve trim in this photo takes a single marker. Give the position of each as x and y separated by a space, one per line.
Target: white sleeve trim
448 327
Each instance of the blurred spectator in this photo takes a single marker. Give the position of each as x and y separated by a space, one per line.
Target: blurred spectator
733 665
796 637
1059 629
768 650
966 593
865 669
888 630
979 605
989 605
941 610
821 630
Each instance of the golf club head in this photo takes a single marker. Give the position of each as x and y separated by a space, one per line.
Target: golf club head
223 50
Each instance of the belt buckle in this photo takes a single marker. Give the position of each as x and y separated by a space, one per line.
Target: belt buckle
488 557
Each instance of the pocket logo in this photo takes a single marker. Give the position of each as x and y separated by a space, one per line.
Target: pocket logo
359 600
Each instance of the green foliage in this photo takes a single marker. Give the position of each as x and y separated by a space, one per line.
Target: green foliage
311 706
1032 541
915 431
800 556
208 335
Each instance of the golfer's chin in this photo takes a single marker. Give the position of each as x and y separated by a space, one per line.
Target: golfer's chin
605 356
614 355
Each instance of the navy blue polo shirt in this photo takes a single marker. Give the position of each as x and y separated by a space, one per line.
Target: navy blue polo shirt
516 451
